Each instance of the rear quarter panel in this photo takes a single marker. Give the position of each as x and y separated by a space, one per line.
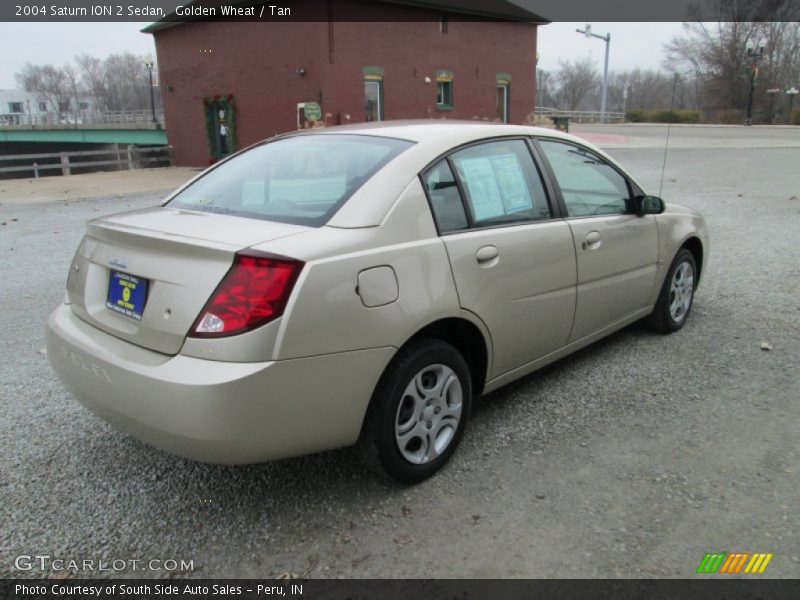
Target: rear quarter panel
326 313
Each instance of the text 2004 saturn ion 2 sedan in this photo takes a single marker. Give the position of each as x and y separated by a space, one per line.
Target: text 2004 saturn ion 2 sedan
363 285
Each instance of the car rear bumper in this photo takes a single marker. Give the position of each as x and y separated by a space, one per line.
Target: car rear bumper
213 411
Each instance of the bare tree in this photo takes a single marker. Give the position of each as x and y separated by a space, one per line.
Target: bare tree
575 81
714 54
93 80
117 83
127 82
46 81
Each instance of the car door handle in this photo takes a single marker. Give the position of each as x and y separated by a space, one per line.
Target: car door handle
592 241
486 254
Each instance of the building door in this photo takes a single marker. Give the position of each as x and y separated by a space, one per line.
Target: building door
373 100
502 102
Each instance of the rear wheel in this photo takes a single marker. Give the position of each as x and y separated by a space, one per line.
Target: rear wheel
677 294
418 412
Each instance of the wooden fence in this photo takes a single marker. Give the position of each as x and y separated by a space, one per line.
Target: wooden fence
122 157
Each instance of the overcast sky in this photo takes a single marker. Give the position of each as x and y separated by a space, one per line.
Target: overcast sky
632 44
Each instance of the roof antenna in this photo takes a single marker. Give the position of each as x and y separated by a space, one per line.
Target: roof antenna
669 128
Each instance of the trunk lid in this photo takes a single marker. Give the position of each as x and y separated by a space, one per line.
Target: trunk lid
178 257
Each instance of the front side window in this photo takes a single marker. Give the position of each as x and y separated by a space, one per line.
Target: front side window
446 204
302 179
501 183
589 185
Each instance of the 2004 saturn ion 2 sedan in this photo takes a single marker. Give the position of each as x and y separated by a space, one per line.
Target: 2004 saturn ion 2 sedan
363 285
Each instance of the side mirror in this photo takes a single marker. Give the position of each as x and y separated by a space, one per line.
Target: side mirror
649 205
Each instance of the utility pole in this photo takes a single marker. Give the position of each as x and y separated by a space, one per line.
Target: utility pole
607 39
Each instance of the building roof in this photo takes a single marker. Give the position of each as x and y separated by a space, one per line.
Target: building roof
493 9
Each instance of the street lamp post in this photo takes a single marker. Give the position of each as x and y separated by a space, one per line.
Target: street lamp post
754 52
149 64
607 39
791 92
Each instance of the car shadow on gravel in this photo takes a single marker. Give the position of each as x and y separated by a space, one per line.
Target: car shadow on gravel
499 399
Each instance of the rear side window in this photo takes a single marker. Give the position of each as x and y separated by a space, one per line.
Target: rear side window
448 210
501 183
302 179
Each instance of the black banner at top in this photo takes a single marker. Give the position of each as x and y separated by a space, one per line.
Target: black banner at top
283 11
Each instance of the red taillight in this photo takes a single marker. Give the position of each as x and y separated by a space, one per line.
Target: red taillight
254 292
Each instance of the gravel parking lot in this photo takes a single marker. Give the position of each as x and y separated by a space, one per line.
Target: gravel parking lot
632 458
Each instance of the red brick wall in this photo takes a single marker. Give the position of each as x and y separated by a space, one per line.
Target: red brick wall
257 63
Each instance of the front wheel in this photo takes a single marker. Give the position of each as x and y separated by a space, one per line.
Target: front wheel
418 412
677 294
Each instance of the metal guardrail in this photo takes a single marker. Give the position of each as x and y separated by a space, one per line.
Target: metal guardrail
75 119
124 158
579 116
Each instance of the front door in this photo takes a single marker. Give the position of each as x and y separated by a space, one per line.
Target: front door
617 251
513 264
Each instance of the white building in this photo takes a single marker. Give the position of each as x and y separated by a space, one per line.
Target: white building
18 107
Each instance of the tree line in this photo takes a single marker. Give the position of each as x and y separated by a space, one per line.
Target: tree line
707 72
119 82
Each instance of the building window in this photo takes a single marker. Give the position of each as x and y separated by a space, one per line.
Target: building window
502 97
83 106
15 107
63 106
373 93
42 106
444 90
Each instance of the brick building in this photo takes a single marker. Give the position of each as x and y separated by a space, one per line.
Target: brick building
226 85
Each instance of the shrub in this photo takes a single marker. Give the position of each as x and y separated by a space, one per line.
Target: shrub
730 116
663 116
795 120
675 116
636 116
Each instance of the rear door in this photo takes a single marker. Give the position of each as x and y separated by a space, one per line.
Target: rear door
617 250
513 263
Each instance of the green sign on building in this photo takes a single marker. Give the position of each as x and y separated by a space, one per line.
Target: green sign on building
313 111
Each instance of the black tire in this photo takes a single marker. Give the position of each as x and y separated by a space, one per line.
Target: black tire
662 319
378 447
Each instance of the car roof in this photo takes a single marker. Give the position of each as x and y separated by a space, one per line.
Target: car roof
424 130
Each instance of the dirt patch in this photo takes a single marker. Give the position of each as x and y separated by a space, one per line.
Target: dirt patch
91 185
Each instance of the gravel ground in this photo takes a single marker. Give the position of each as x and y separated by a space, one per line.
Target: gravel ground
632 458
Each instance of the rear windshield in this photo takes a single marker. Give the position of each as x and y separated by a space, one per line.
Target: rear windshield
302 179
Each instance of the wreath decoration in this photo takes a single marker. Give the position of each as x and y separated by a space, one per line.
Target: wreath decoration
212 107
